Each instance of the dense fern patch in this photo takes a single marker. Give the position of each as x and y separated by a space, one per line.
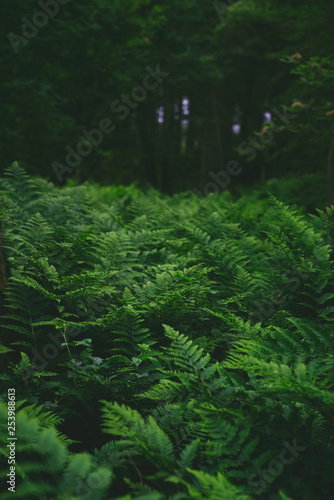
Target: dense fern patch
165 347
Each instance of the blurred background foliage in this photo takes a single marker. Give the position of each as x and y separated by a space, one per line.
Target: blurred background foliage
232 61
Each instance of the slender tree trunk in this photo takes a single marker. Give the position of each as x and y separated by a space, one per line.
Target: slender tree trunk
263 172
330 172
147 131
206 138
178 165
216 106
166 152
191 148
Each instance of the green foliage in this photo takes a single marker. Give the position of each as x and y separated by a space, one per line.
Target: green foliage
44 468
200 330
48 101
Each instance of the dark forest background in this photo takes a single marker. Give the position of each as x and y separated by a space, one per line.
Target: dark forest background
230 65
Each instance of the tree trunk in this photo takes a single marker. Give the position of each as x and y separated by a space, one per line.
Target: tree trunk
218 143
166 153
148 131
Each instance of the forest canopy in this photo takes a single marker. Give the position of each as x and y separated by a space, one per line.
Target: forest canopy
75 105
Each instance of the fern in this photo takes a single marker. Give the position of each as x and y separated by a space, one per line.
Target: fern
44 468
201 328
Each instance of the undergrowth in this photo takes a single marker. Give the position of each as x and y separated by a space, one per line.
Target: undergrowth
165 347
